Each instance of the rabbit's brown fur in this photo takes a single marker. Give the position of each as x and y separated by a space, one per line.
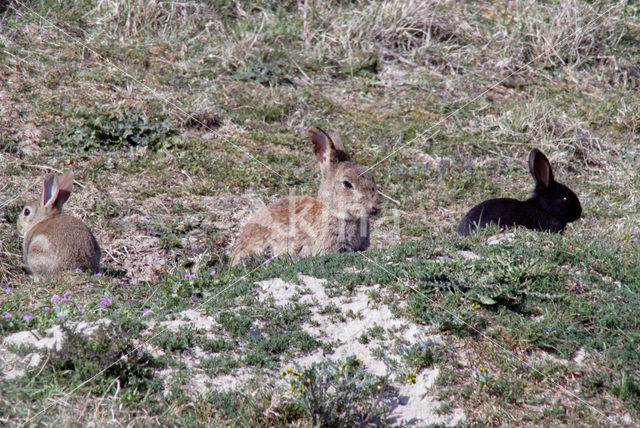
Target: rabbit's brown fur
54 242
337 220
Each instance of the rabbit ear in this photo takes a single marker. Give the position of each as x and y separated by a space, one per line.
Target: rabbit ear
49 191
328 147
56 191
65 186
540 168
343 156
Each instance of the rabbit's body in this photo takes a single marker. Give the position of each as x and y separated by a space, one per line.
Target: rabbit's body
336 221
60 244
551 206
507 212
54 242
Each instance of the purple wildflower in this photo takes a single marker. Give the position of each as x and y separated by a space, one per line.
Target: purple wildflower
27 317
60 316
189 275
106 302
66 293
213 272
127 302
304 256
144 311
1 299
193 298
78 305
56 307
121 282
55 297
141 300
83 311
99 274
46 308
266 262
7 315
8 289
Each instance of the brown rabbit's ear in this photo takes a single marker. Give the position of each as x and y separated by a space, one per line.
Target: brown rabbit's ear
341 151
65 186
540 168
49 191
327 146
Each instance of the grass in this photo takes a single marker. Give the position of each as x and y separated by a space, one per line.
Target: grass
181 119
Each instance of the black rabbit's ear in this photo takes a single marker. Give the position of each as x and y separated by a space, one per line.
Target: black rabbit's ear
540 168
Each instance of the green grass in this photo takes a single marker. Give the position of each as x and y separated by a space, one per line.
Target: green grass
181 119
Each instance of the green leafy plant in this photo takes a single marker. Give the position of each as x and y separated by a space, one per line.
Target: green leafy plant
341 393
103 358
129 128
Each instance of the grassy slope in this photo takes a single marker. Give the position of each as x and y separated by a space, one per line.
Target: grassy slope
180 118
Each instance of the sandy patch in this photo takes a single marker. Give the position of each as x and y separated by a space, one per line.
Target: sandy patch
54 336
468 255
14 365
416 407
500 238
190 318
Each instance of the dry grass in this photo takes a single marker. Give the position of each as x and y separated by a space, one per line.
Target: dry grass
125 19
445 98
396 29
550 129
564 33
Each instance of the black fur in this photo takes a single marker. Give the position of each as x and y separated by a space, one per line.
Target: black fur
551 206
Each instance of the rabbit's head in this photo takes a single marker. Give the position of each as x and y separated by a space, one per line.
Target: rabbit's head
347 189
55 192
551 196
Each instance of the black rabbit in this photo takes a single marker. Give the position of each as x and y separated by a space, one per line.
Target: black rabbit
551 206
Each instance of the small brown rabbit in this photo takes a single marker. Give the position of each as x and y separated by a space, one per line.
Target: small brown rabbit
54 242
336 221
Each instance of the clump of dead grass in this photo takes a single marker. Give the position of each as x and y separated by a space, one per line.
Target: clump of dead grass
395 30
560 33
541 124
8 272
128 18
395 26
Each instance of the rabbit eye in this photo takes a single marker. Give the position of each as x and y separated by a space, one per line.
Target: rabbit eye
565 198
347 185
27 211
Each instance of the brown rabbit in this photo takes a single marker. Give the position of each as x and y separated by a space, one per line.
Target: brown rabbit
54 242
336 221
